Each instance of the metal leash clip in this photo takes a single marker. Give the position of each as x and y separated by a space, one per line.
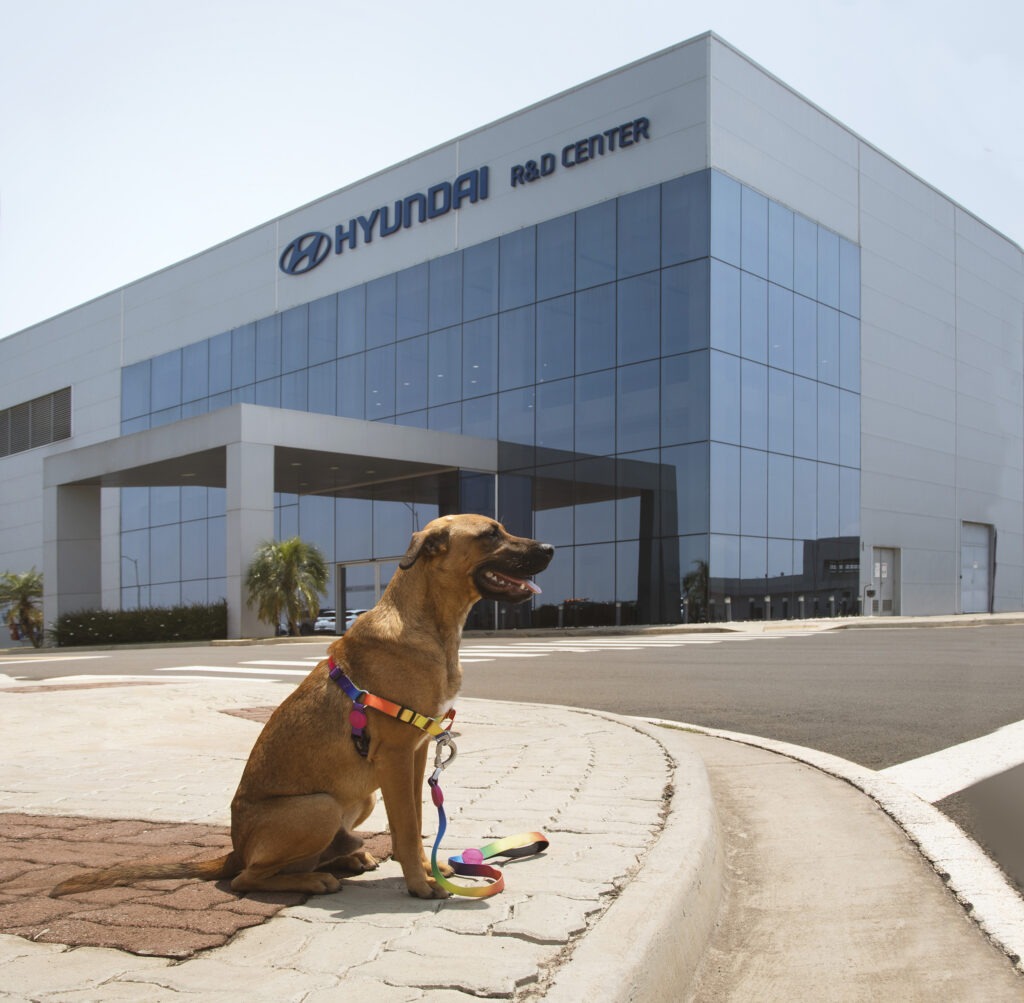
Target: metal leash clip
443 760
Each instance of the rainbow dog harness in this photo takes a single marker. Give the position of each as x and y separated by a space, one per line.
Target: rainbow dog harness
470 862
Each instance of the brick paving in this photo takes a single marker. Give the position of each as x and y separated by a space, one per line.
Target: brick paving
171 919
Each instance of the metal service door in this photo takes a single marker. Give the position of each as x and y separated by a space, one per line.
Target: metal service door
884 581
975 568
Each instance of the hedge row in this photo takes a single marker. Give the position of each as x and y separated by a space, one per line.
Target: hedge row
198 622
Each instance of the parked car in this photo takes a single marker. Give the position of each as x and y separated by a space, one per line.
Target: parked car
326 622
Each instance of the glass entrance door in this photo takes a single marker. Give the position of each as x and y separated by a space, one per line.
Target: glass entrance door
359 585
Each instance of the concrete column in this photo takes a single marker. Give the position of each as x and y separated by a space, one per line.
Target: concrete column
249 522
71 549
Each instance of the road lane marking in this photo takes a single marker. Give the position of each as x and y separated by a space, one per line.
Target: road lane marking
940 774
44 659
309 663
233 670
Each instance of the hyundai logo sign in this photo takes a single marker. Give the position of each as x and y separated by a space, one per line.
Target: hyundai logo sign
304 253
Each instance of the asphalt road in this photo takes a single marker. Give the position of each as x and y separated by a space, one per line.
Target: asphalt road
877 697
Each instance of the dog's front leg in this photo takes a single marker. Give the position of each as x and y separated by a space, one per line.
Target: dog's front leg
401 784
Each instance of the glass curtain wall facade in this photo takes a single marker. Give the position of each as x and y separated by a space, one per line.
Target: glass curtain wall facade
672 376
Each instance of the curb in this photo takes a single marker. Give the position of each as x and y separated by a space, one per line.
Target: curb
975 881
647 944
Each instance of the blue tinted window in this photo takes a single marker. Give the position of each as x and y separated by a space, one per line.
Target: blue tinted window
165 381
243 355
323 388
480 357
220 363
849 278
380 382
295 390
849 429
849 502
780 559
754 492
555 415
135 508
725 397
268 393
555 338
380 311
725 307
754 404
805 418
724 556
780 411
753 559
192 408
165 554
685 486
639 321
195 371
754 233
445 352
725 218
556 257
828 345
516 348
411 301
725 489
639 232
480 417
351 402
595 565
518 268
515 416
447 418
595 328
828 423
828 267
480 280
323 329
352 321
637 407
595 413
411 388
805 257
754 318
294 339
805 500
268 347
445 291
193 550
780 245
849 352
685 218
805 337
193 503
684 398
685 309
828 500
780 495
135 390
780 327
595 245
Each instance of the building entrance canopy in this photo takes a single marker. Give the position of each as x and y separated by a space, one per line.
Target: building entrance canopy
250 451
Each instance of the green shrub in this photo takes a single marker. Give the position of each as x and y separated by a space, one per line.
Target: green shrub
197 622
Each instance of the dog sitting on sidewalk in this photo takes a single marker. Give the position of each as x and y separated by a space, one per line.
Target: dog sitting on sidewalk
311 778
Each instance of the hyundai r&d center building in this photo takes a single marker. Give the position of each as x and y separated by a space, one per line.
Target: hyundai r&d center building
724 354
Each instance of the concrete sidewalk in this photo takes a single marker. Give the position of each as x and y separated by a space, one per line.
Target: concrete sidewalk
764 880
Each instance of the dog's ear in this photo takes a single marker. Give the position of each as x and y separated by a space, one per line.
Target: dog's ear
426 542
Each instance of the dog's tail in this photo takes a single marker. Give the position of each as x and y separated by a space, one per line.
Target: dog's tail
126 874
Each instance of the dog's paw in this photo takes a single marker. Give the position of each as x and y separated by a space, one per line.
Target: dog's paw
430 889
356 863
321 883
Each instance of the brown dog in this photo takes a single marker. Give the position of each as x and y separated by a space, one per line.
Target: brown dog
306 785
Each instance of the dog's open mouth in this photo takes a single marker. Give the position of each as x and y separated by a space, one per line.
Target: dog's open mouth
499 585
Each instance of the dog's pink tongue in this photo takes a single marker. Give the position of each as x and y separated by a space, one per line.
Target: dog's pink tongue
527 584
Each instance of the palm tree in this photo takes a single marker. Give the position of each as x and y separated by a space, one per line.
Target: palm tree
284 582
19 599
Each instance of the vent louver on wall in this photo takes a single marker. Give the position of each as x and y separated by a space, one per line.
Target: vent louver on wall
36 422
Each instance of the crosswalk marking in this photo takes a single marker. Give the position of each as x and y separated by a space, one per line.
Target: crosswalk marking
235 670
308 662
940 774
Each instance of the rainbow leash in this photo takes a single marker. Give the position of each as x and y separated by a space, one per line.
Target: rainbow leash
471 862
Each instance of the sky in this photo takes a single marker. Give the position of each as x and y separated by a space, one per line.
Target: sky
134 134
